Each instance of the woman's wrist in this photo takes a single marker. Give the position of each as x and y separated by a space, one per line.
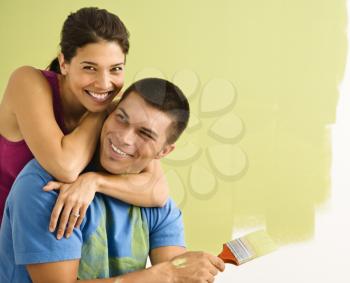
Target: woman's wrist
97 179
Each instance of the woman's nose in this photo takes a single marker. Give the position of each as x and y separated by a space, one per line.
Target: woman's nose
103 81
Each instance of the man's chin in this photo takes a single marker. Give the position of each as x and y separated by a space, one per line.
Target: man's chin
116 170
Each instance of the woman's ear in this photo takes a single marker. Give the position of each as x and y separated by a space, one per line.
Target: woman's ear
63 64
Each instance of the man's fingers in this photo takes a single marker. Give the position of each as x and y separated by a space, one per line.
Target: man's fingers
213 270
217 262
209 277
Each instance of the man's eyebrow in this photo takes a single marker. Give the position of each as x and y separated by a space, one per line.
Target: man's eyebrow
122 110
94 64
153 134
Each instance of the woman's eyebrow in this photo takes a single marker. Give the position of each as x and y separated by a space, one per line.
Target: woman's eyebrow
94 64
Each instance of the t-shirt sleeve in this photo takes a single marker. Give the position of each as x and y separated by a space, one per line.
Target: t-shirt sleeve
30 211
166 226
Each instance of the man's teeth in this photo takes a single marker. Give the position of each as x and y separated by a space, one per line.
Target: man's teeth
99 96
117 150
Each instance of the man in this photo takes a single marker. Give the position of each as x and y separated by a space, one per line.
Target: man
115 238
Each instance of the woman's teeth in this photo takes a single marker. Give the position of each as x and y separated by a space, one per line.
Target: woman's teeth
99 96
117 150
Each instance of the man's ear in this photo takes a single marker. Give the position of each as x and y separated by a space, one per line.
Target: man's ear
63 64
165 151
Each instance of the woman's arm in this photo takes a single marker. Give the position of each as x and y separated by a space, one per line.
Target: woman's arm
147 189
63 156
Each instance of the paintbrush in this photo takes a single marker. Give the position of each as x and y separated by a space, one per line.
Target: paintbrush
248 247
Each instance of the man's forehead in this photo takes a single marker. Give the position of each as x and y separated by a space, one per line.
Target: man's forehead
142 117
139 111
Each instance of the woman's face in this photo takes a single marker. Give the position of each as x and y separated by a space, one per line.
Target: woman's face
95 75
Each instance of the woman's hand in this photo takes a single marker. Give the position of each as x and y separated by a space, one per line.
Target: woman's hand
72 203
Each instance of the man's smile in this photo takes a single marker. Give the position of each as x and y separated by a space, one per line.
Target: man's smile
118 151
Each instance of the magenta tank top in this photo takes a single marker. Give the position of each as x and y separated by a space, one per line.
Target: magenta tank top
14 155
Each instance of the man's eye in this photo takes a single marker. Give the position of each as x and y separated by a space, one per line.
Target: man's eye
146 135
89 68
121 118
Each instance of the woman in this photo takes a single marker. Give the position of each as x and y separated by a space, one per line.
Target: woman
56 116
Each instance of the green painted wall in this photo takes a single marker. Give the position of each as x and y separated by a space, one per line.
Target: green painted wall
262 78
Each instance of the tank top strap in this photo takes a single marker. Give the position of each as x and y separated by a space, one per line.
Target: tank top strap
56 96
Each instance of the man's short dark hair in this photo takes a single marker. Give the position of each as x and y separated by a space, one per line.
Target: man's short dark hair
166 97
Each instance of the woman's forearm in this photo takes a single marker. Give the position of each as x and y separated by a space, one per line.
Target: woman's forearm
145 189
78 147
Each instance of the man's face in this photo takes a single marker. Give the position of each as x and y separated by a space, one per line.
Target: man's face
133 135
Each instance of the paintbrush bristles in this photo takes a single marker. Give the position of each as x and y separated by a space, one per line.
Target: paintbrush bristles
241 250
261 242
251 246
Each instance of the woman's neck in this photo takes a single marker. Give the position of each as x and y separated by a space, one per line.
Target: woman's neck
72 109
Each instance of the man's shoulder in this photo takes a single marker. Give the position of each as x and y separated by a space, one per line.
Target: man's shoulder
33 168
30 180
169 205
156 215
165 225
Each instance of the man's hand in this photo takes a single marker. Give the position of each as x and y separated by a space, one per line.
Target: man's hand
195 267
72 203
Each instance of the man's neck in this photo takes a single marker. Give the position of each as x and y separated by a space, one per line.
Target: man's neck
95 162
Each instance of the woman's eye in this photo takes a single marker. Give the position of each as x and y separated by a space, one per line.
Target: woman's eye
116 69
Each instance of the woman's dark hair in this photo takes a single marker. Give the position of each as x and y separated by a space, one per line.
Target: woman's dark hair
90 25
166 97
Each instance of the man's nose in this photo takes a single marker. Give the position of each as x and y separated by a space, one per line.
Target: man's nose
127 137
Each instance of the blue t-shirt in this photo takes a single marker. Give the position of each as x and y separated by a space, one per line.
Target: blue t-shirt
114 238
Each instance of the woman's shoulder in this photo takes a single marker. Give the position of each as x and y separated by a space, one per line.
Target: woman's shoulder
26 73
27 79
27 85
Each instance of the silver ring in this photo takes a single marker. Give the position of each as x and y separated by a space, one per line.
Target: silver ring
75 214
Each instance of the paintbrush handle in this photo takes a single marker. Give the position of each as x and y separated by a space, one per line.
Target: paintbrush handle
227 256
